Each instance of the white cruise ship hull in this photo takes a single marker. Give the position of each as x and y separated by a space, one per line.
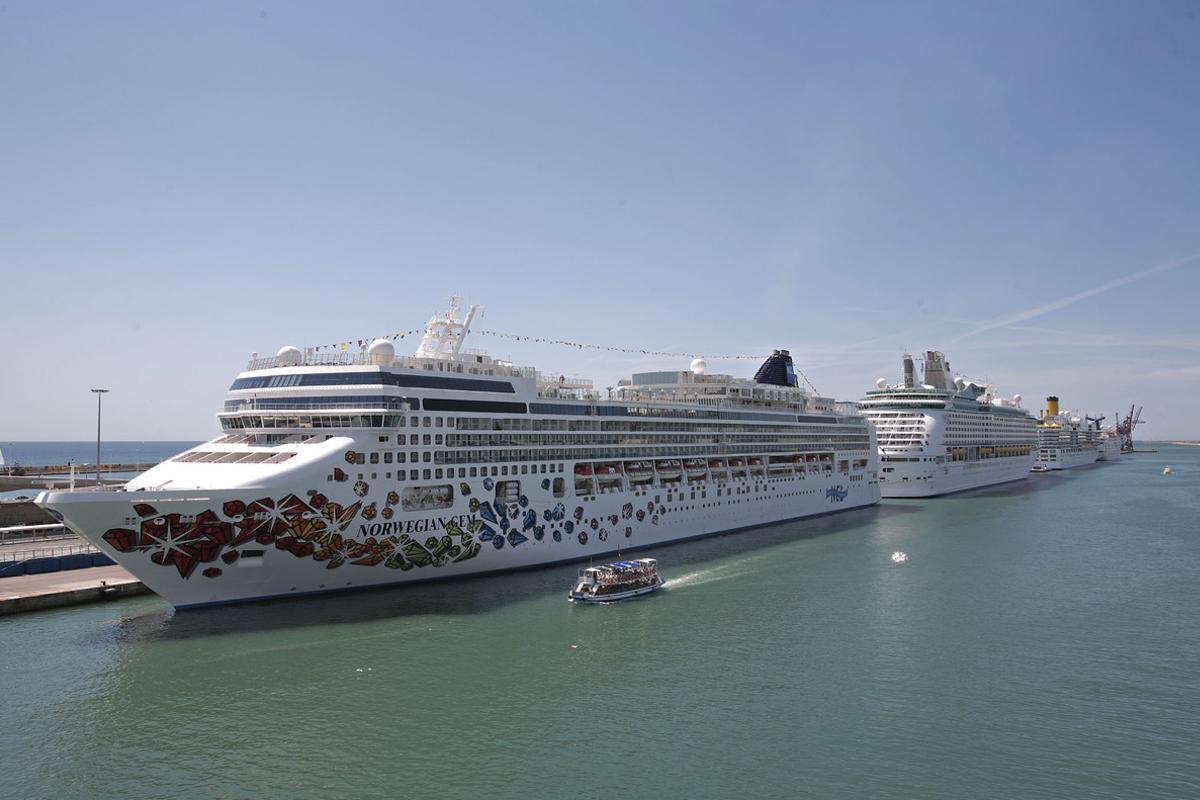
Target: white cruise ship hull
1061 458
201 547
929 479
1110 449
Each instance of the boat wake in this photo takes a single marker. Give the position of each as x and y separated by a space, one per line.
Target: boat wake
703 576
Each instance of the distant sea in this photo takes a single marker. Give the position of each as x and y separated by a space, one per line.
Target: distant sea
40 454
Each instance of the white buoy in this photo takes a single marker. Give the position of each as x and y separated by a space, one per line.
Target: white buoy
1168 471
899 557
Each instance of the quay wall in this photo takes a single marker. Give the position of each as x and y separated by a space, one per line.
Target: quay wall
23 512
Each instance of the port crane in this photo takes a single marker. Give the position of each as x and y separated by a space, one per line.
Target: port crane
1125 428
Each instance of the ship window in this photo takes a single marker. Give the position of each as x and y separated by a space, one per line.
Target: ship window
412 474
508 492
360 458
424 498
425 457
437 473
425 440
426 422
426 474
387 458
558 487
439 421
524 469
437 439
374 458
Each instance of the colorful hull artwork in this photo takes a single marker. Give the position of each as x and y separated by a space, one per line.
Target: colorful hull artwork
236 545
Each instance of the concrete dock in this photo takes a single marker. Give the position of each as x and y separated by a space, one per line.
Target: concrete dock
72 587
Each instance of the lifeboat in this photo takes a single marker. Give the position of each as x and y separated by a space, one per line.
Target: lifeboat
639 471
695 468
668 469
583 469
609 475
737 462
755 461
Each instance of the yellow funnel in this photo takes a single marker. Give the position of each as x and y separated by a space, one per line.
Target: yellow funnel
1051 406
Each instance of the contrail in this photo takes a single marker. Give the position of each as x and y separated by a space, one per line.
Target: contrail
1054 305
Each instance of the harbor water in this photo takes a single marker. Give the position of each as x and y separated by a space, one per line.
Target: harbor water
1040 640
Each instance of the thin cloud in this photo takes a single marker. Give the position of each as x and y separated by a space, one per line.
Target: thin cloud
1046 308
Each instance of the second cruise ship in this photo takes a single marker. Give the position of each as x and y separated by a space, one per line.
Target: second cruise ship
946 434
348 470
1065 440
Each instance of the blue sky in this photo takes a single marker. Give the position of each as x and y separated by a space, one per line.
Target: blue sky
182 184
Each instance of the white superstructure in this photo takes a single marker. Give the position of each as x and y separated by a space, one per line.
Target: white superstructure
946 434
1065 439
341 471
1110 444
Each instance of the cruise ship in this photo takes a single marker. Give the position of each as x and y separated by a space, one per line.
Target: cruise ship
339 471
1064 440
1110 444
946 434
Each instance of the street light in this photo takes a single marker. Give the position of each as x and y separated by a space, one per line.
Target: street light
99 396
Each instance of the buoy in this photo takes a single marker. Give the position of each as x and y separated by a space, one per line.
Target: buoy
899 557
1168 471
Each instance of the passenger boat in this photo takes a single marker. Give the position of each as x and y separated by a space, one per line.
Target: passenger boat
618 581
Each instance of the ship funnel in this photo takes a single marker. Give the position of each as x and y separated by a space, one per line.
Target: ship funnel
910 372
1051 406
937 371
777 370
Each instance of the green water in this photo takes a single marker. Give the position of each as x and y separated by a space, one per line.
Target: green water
1042 641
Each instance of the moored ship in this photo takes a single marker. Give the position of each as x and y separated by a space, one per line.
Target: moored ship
1064 440
946 434
341 471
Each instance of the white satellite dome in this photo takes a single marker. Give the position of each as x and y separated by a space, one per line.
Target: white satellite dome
1016 398
881 383
289 356
381 351
698 366
959 383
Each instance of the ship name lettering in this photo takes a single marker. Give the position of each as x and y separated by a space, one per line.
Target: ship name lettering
463 521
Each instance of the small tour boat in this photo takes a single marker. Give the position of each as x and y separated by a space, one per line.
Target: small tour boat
618 581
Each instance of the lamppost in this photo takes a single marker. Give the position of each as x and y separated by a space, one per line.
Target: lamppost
99 396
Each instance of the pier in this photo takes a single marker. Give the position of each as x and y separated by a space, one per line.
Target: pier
59 475
56 589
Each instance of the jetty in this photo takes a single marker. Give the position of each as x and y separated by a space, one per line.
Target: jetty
56 589
59 475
